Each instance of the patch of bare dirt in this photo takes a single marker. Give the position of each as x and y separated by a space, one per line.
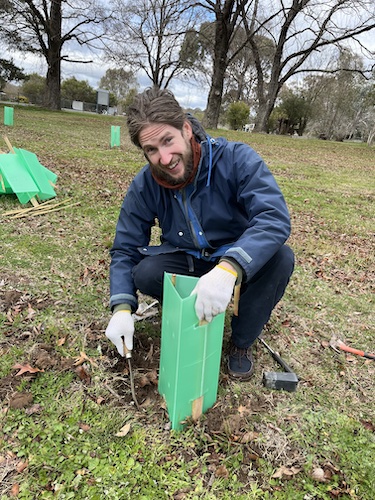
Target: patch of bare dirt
145 366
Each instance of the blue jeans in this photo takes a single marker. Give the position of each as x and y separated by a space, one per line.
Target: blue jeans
258 296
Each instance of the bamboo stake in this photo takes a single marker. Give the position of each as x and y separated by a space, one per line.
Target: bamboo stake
10 147
237 290
41 206
41 212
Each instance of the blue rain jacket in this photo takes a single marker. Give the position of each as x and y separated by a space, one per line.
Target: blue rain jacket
234 208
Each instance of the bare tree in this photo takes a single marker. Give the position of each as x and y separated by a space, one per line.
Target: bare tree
342 103
227 19
147 36
241 75
301 30
45 27
118 81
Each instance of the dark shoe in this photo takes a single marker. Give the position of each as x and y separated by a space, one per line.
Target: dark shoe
240 363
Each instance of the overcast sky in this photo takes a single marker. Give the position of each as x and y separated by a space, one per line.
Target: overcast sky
188 94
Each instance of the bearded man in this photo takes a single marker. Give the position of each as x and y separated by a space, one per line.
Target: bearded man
222 217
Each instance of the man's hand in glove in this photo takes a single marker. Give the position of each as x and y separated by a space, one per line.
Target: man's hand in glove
214 291
121 326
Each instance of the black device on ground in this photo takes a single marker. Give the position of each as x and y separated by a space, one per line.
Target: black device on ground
286 381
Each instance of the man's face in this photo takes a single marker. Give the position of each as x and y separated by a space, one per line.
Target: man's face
168 151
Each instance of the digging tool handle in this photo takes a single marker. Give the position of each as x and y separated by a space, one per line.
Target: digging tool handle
127 353
276 357
364 354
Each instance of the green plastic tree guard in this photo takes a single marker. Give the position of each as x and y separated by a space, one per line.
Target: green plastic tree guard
190 353
42 176
115 135
14 178
8 116
22 174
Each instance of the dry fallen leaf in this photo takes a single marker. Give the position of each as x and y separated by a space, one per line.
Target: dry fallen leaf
146 403
143 381
318 475
222 471
83 374
286 472
249 436
37 408
21 466
243 410
15 490
82 358
81 472
153 377
25 369
368 425
123 431
30 312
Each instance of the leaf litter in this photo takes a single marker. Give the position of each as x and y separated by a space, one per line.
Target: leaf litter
234 420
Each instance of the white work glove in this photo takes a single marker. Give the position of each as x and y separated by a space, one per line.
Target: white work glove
214 291
121 326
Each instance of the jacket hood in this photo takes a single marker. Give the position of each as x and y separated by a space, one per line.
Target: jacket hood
201 136
198 130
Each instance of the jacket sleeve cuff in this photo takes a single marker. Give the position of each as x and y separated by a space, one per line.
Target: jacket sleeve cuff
122 307
236 266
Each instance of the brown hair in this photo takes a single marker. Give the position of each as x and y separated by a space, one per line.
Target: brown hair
153 105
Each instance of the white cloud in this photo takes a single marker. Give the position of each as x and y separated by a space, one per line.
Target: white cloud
188 94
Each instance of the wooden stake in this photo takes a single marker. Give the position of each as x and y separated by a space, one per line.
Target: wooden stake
41 206
197 408
7 141
237 290
41 212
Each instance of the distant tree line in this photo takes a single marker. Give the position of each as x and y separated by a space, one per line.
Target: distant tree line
244 51
121 85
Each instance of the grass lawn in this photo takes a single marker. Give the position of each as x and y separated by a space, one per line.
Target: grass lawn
68 426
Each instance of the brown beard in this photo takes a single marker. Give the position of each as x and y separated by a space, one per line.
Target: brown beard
191 161
160 174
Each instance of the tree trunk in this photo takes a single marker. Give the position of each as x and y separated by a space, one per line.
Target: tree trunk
226 17
215 96
53 57
53 82
262 117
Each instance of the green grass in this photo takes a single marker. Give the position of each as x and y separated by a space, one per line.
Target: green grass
254 443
